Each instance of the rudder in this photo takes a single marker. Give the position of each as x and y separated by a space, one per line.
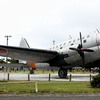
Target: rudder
24 43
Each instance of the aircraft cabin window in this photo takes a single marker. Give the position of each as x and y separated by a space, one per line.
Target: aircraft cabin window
88 36
82 37
61 47
60 44
72 44
74 41
69 41
84 41
78 39
56 46
64 43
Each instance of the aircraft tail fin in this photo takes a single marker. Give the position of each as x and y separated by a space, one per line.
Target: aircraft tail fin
24 43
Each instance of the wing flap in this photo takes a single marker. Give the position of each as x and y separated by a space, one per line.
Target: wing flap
28 54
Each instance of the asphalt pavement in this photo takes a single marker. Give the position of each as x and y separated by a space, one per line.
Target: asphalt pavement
49 98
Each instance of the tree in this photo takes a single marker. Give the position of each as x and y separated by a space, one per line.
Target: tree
2 60
12 60
96 81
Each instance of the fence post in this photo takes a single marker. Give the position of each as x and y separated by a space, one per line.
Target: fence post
36 89
49 76
70 77
28 77
8 76
90 77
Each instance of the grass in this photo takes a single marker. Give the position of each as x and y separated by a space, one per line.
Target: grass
61 86
50 86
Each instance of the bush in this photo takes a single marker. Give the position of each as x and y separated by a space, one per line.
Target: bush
96 81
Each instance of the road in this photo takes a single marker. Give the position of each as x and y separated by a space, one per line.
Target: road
44 77
49 98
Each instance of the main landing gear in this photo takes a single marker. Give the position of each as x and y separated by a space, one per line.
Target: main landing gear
62 72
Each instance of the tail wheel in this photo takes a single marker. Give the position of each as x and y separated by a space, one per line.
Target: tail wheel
62 73
31 71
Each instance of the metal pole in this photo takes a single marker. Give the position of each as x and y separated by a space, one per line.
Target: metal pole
70 77
8 76
49 76
28 77
7 37
90 77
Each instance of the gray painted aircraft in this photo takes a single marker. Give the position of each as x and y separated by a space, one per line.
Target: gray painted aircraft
68 54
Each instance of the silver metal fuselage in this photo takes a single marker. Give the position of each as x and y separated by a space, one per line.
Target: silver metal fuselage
91 41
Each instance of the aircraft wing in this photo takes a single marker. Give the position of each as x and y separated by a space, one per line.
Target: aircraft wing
27 54
14 65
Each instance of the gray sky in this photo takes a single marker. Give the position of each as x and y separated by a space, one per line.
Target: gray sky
42 21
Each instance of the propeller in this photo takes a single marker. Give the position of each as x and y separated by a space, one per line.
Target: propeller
81 50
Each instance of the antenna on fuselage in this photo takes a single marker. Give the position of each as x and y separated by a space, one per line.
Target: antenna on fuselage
97 30
53 42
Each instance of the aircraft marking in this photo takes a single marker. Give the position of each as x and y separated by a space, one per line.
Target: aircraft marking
3 50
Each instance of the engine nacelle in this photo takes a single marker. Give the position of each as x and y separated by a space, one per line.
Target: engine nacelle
41 66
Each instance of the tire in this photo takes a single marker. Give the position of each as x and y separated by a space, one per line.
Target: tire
62 73
31 71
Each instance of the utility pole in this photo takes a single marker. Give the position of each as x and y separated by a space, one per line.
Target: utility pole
7 37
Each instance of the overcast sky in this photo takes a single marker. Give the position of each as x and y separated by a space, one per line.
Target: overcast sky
42 21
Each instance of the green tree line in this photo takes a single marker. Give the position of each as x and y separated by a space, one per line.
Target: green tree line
10 60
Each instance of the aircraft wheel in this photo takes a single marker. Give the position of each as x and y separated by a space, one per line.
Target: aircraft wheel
62 73
32 71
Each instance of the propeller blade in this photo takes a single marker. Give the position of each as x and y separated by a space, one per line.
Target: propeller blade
81 50
87 50
83 59
81 40
73 49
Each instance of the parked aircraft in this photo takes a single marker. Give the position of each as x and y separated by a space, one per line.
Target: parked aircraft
73 52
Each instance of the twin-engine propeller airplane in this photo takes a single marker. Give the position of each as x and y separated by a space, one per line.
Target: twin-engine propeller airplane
68 54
